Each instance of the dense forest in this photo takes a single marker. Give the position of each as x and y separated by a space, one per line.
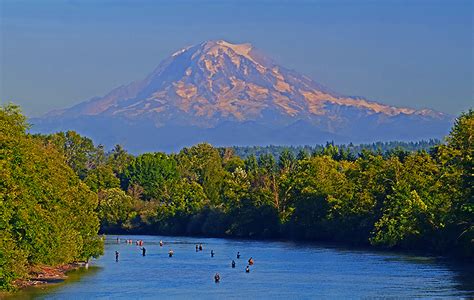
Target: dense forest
54 186
350 151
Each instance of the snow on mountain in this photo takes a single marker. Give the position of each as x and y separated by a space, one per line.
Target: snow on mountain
204 86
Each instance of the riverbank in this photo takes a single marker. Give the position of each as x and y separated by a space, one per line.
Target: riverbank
44 275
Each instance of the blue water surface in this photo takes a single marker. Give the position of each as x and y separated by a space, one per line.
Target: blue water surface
282 270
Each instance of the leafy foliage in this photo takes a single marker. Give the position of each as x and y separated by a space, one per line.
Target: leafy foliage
47 213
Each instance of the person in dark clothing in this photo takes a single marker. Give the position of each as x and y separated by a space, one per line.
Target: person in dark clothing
247 270
250 261
233 264
197 248
212 253
116 256
170 253
238 255
143 251
200 247
217 278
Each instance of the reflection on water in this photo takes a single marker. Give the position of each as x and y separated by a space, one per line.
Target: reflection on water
463 275
42 290
282 270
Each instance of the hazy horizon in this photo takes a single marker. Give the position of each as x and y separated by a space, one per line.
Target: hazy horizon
416 54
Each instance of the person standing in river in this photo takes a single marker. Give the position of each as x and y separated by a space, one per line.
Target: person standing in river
116 256
143 251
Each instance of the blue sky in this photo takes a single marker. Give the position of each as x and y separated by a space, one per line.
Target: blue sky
416 53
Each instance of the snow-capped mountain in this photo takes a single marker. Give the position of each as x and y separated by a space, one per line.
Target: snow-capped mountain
231 94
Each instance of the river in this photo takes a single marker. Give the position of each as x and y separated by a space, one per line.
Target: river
282 270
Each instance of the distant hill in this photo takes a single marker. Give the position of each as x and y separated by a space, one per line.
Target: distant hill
231 94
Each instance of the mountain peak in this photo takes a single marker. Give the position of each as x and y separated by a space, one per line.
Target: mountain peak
239 48
216 48
242 49
217 81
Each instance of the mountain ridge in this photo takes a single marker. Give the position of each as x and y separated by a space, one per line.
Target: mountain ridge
213 82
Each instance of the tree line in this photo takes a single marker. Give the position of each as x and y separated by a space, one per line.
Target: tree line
397 199
348 151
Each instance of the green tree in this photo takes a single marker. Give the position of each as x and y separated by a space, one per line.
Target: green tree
100 178
115 208
48 214
202 164
402 219
317 182
153 172
456 158
119 159
78 150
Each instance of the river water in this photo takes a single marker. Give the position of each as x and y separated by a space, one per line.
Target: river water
282 270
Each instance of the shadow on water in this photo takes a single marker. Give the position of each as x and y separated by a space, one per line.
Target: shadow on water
463 271
33 292
463 274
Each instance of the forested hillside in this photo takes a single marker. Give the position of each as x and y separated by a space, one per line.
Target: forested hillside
413 200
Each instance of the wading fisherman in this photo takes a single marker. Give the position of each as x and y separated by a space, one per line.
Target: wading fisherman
250 261
170 253
217 278
200 247
161 243
247 270
212 253
143 251
238 255
197 248
233 264
116 256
